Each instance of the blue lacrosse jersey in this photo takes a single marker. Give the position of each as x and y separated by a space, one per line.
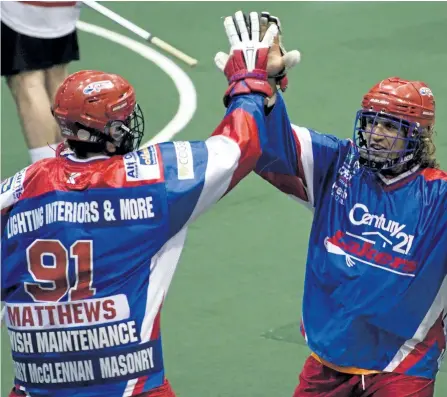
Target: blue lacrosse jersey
89 249
375 291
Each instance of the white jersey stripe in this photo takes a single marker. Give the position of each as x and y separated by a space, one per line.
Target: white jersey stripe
307 159
163 265
223 159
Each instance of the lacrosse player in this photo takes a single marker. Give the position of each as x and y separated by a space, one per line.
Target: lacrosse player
91 238
375 287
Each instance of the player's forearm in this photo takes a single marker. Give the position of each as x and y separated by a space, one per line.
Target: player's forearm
280 162
244 124
281 151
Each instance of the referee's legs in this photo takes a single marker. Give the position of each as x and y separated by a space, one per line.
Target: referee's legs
33 103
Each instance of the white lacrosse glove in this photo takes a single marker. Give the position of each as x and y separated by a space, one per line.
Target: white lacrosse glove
278 57
246 66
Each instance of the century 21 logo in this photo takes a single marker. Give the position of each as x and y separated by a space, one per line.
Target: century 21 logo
360 215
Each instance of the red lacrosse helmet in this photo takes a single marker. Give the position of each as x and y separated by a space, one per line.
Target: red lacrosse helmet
412 101
94 106
409 107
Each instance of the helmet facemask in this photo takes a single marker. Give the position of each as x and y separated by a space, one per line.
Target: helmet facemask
126 135
388 147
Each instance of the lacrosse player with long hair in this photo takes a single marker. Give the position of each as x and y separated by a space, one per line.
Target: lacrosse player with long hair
375 287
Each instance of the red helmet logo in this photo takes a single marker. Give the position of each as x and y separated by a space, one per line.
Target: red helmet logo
97 86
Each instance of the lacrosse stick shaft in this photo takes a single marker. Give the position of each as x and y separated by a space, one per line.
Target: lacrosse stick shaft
140 32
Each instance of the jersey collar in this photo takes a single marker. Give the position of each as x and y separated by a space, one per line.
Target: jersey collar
73 158
400 177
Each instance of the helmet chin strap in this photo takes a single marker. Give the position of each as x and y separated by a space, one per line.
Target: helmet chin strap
396 170
393 167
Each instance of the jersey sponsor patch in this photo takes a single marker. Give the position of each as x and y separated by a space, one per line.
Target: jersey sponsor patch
341 186
185 162
142 165
13 188
375 240
147 156
17 187
356 249
92 368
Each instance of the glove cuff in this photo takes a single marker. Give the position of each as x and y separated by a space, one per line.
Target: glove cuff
247 86
236 67
257 74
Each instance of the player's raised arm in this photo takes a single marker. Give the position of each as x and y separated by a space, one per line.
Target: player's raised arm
296 160
198 174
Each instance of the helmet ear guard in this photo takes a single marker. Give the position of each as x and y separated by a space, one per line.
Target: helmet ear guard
125 135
